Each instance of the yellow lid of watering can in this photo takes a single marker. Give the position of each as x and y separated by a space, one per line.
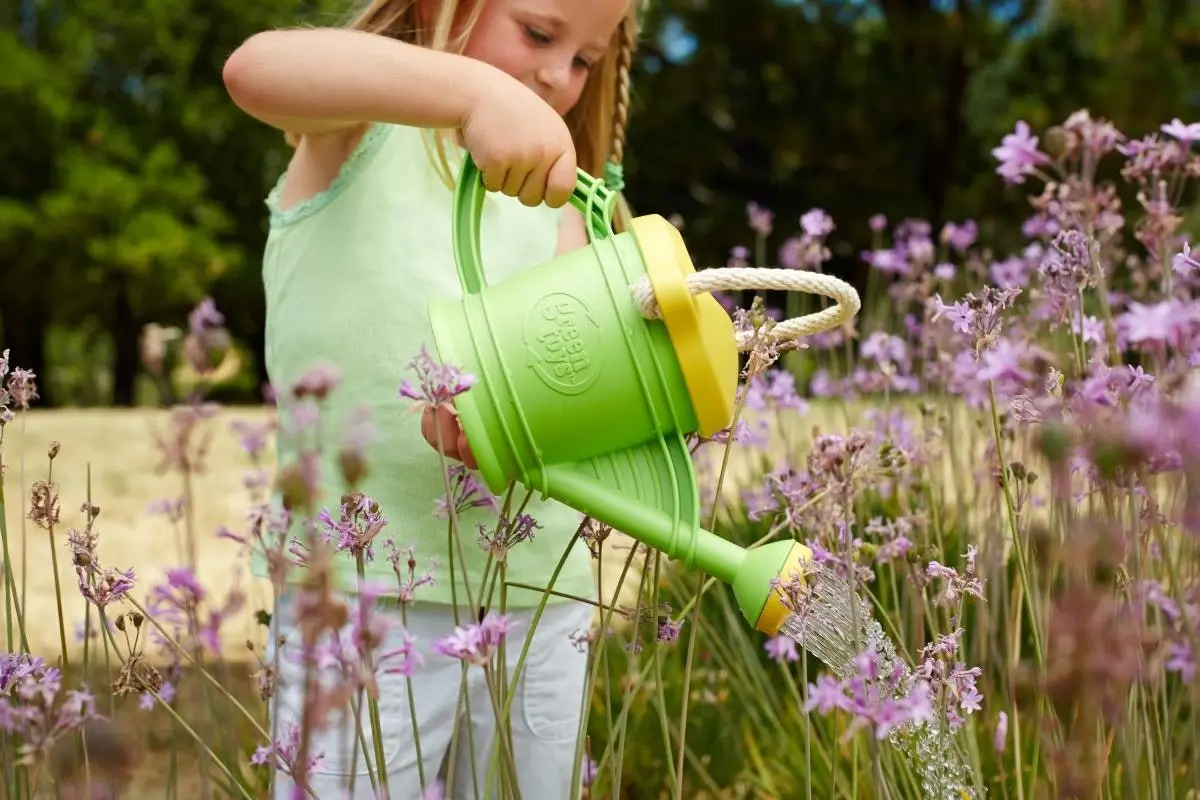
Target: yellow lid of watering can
700 330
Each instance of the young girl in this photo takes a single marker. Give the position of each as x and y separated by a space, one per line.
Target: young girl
359 242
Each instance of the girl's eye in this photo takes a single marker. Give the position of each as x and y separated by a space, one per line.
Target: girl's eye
536 36
543 39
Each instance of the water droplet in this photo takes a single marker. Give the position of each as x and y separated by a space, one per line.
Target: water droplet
825 626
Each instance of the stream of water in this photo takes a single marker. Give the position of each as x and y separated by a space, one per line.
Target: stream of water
826 628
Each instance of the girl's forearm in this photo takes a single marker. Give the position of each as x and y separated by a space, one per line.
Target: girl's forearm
312 81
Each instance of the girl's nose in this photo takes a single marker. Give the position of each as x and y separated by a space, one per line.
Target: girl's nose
555 73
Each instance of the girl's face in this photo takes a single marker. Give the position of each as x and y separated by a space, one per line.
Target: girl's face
548 45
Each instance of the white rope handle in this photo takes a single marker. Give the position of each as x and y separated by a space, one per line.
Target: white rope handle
786 280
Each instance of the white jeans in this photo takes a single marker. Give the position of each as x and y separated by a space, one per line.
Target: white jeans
545 711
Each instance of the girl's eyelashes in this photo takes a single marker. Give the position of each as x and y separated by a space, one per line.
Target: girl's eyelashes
536 36
543 39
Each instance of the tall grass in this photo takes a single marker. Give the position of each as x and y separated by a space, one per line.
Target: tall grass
1000 456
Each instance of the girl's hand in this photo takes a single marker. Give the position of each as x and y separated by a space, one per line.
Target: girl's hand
440 424
521 145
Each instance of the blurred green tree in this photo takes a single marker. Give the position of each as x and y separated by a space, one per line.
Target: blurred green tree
133 186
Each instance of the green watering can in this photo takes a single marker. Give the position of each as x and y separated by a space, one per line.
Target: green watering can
591 368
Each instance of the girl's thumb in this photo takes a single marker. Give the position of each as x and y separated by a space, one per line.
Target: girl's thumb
561 180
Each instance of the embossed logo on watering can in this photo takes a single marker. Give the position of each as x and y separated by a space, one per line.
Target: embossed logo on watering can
563 341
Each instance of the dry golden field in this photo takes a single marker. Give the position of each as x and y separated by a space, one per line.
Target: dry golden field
116 447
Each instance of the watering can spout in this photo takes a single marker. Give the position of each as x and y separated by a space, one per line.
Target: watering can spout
622 491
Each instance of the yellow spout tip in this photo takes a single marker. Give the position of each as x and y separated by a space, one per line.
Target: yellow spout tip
797 564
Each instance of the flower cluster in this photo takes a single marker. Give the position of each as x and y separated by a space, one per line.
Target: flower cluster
879 702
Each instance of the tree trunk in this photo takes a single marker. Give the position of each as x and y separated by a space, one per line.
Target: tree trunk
23 328
940 166
125 348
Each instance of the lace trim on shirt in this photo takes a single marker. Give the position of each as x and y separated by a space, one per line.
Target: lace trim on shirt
355 163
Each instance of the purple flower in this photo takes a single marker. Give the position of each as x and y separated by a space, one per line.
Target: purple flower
944 272
177 603
588 770
1002 364
960 237
35 709
507 534
106 586
816 223
466 492
760 218
782 648
889 262
957 586
1184 263
1167 323
742 433
22 388
410 583
359 521
1010 272
317 381
894 535
476 643
668 630
285 751
1182 659
1185 133
437 384
739 256
886 349
772 390
205 317
371 630
960 315
252 437
165 507
882 702
1018 154
951 681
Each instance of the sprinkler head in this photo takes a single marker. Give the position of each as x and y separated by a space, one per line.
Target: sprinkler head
761 605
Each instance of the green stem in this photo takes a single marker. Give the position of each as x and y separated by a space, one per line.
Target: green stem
62 626
630 683
507 758
658 677
412 708
598 660
700 582
1010 507
207 675
200 743
11 600
372 702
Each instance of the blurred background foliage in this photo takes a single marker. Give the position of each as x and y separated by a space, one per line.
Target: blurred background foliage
132 186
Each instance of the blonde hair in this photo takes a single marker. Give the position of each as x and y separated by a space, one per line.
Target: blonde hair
597 122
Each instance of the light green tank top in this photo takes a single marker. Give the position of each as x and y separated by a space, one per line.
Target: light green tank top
348 275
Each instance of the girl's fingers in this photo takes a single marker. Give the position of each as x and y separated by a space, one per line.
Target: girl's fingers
440 428
464 451
447 430
429 427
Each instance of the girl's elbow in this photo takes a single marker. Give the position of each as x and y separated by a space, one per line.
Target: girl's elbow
242 73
